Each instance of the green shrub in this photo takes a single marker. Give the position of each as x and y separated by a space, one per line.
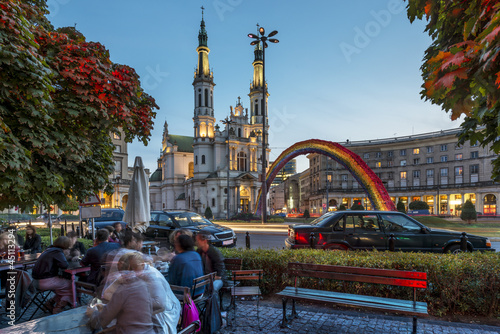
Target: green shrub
357 206
246 216
465 283
208 213
341 207
468 212
418 205
401 207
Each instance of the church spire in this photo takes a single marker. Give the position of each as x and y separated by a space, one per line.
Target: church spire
202 35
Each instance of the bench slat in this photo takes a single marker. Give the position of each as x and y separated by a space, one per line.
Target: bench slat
379 303
359 270
359 278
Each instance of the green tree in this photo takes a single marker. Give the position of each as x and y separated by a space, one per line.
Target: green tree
341 207
401 207
60 99
306 214
468 212
357 206
418 205
461 69
208 213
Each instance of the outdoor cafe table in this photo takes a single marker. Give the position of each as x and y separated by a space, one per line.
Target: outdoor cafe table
74 269
71 321
20 263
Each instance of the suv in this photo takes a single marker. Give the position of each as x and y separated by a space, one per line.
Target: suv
163 223
368 230
108 218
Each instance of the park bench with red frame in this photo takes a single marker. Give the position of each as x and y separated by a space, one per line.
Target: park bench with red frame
392 277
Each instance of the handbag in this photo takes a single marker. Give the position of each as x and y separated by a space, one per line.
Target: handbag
212 318
189 312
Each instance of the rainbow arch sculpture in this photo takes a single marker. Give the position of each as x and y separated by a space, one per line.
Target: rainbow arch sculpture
375 190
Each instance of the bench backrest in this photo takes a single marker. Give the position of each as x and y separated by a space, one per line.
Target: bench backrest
412 279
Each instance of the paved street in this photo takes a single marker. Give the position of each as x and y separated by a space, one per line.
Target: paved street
325 320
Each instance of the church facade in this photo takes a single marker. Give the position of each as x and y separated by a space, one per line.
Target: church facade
217 168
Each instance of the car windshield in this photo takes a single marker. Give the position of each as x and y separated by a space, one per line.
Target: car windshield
324 218
110 216
190 219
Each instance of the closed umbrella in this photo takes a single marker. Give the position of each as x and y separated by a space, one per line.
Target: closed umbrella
137 212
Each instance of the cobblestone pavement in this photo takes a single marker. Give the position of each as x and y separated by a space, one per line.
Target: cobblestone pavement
324 320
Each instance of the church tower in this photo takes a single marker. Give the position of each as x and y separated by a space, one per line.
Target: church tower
256 112
204 120
203 84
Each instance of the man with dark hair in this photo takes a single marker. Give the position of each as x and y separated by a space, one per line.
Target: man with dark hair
96 256
119 231
212 258
186 265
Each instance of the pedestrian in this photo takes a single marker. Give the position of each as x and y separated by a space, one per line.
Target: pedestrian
46 271
33 243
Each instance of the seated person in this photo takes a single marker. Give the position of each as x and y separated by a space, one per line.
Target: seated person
212 258
96 256
131 304
112 235
77 248
119 232
46 271
33 243
186 265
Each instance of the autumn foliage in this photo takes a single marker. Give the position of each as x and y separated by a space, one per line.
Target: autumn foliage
60 99
461 69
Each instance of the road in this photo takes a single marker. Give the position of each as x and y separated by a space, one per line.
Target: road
265 239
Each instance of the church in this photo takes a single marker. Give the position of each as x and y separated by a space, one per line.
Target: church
217 168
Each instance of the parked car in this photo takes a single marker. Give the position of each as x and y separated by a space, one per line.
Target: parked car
368 230
108 218
163 223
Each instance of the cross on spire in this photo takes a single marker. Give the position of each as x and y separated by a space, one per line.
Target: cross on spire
239 98
202 9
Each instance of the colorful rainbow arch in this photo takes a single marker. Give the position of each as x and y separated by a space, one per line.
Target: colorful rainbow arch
371 183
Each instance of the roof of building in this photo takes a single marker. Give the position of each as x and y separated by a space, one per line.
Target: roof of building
157 176
184 143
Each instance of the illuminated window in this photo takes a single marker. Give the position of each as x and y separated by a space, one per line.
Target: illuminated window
459 171
402 175
416 151
458 156
378 164
117 136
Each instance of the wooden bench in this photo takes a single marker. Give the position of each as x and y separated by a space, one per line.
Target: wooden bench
411 279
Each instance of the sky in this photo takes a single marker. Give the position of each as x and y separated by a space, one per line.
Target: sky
342 70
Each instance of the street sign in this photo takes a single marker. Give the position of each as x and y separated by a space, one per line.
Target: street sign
91 200
324 205
91 212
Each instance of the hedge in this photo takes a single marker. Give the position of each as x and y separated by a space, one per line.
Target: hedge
465 283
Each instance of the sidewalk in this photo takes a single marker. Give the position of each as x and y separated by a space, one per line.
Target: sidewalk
325 320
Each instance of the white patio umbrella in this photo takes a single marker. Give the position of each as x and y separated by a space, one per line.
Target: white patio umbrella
138 212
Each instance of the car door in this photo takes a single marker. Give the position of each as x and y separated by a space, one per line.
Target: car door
165 226
363 231
409 236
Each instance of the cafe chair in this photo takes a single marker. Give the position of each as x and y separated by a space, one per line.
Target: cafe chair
206 281
192 328
253 276
37 298
230 265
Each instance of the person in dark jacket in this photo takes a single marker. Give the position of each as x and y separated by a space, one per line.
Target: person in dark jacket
96 256
77 248
212 258
186 265
46 271
33 243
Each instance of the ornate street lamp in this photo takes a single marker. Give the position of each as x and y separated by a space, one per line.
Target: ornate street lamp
263 39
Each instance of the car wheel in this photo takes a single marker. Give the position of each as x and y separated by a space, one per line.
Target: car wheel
338 248
453 249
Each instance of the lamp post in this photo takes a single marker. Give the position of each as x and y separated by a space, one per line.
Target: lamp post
256 40
227 122
328 182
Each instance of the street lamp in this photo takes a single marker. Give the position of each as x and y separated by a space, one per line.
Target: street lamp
256 40
227 122
328 182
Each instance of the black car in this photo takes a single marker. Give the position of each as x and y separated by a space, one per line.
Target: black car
368 230
163 223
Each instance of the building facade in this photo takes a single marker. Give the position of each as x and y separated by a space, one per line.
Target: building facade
429 167
216 168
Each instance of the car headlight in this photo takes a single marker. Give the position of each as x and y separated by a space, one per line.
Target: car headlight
488 243
211 237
